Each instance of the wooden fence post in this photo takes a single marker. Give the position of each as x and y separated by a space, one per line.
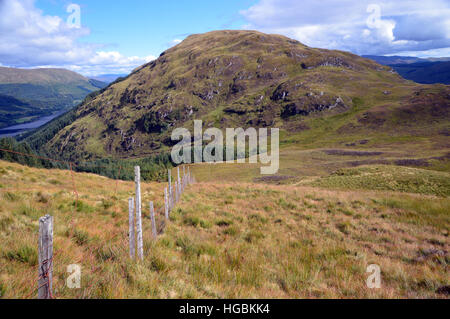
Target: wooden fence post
152 217
137 179
166 204
183 180
170 190
184 177
131 234
178 171
175 193
45 257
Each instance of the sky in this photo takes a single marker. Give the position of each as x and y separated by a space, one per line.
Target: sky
95 37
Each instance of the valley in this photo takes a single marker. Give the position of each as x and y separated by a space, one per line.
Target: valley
28 95
22 128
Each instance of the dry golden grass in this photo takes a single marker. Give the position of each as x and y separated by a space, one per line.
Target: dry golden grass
227 240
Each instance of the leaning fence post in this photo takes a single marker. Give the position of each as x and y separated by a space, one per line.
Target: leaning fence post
166 204
45 257
131 234
152 216
137 179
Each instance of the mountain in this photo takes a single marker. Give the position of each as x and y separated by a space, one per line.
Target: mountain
26 95
394 59
426 71
108 78
443 59
317 97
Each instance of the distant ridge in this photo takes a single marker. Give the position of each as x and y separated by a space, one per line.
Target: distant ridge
425 71
28 94
108 78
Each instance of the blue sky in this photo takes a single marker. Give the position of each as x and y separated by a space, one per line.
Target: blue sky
143 27
117 36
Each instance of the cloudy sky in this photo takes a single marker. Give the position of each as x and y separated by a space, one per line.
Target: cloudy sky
113 37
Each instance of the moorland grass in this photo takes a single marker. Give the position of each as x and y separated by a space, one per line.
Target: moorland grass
266 241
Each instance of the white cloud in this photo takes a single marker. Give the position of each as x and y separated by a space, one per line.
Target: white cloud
28 38
176 41
363 27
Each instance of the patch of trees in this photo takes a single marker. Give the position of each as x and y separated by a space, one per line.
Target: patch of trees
36 138
153 168
23 148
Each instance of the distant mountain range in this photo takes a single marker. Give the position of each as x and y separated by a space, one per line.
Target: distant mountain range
28 94
108 78
426 71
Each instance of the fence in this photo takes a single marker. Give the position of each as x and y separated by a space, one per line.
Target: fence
172 195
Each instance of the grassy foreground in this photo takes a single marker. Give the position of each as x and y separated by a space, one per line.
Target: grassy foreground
225 240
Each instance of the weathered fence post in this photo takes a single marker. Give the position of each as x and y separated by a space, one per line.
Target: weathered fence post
131 234
170 190
152 217
178 171
45 257
166 204
183 176
138 204
175 193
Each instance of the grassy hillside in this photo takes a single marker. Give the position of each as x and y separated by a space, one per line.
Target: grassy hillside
26 95
316 97
225 240
391 178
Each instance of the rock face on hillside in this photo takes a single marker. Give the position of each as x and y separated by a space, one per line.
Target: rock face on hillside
227 79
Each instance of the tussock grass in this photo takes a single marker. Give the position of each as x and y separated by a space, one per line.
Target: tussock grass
392 178
23 254
265 242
